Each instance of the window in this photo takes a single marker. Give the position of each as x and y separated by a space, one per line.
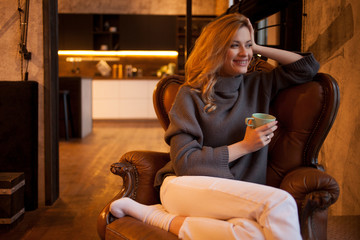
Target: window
268 31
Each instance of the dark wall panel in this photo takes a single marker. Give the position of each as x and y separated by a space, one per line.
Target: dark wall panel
75 32
19 134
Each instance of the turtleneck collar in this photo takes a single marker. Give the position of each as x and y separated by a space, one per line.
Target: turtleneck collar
228 84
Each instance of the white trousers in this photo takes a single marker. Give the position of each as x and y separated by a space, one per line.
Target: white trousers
217 208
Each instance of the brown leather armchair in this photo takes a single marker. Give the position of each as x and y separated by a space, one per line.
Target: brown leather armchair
305 113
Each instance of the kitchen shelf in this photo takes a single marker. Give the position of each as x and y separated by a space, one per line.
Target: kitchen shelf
105 31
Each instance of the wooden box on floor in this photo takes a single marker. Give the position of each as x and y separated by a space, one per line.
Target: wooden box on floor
11 198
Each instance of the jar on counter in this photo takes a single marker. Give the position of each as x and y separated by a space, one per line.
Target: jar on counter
134 72
128 71
140 72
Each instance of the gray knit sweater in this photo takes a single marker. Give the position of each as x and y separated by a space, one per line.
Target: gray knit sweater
198 140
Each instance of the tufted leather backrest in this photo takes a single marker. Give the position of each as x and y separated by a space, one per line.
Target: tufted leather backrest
164 96
305 113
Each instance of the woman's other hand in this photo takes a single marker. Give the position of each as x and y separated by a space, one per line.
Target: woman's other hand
252 32
254 140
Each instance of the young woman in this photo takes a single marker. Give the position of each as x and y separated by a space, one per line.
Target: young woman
214 185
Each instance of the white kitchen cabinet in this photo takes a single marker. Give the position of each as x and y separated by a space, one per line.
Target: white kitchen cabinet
123 99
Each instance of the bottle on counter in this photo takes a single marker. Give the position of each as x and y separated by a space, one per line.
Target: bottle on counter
120 71
114 70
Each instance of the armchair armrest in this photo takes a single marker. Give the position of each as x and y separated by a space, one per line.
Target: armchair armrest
314 191
310 186
138 170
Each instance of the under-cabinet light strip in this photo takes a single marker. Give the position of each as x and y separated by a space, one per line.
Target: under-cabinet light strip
118 53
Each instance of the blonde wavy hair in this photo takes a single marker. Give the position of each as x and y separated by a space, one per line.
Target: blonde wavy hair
208 55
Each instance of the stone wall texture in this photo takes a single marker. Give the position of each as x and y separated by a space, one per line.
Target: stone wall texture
156 7
331 32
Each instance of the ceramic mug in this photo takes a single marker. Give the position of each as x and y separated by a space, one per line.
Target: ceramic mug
259 119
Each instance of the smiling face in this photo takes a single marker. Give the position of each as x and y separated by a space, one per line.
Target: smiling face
239 54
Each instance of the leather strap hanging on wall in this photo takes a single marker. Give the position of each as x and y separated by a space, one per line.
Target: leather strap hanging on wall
24 23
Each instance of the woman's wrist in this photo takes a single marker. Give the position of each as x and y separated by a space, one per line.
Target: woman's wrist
256 49
237 150
279 55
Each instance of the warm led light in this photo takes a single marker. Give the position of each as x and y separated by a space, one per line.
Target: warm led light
118 53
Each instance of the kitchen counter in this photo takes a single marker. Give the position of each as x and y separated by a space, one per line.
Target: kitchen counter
128 98
80 91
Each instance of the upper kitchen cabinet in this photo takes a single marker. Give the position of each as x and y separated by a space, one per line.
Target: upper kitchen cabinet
116 32
75 32
106 32
147 32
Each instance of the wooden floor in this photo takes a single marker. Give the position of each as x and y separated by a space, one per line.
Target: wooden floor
86 184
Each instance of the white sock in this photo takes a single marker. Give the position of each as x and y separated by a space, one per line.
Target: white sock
154 215
157 216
